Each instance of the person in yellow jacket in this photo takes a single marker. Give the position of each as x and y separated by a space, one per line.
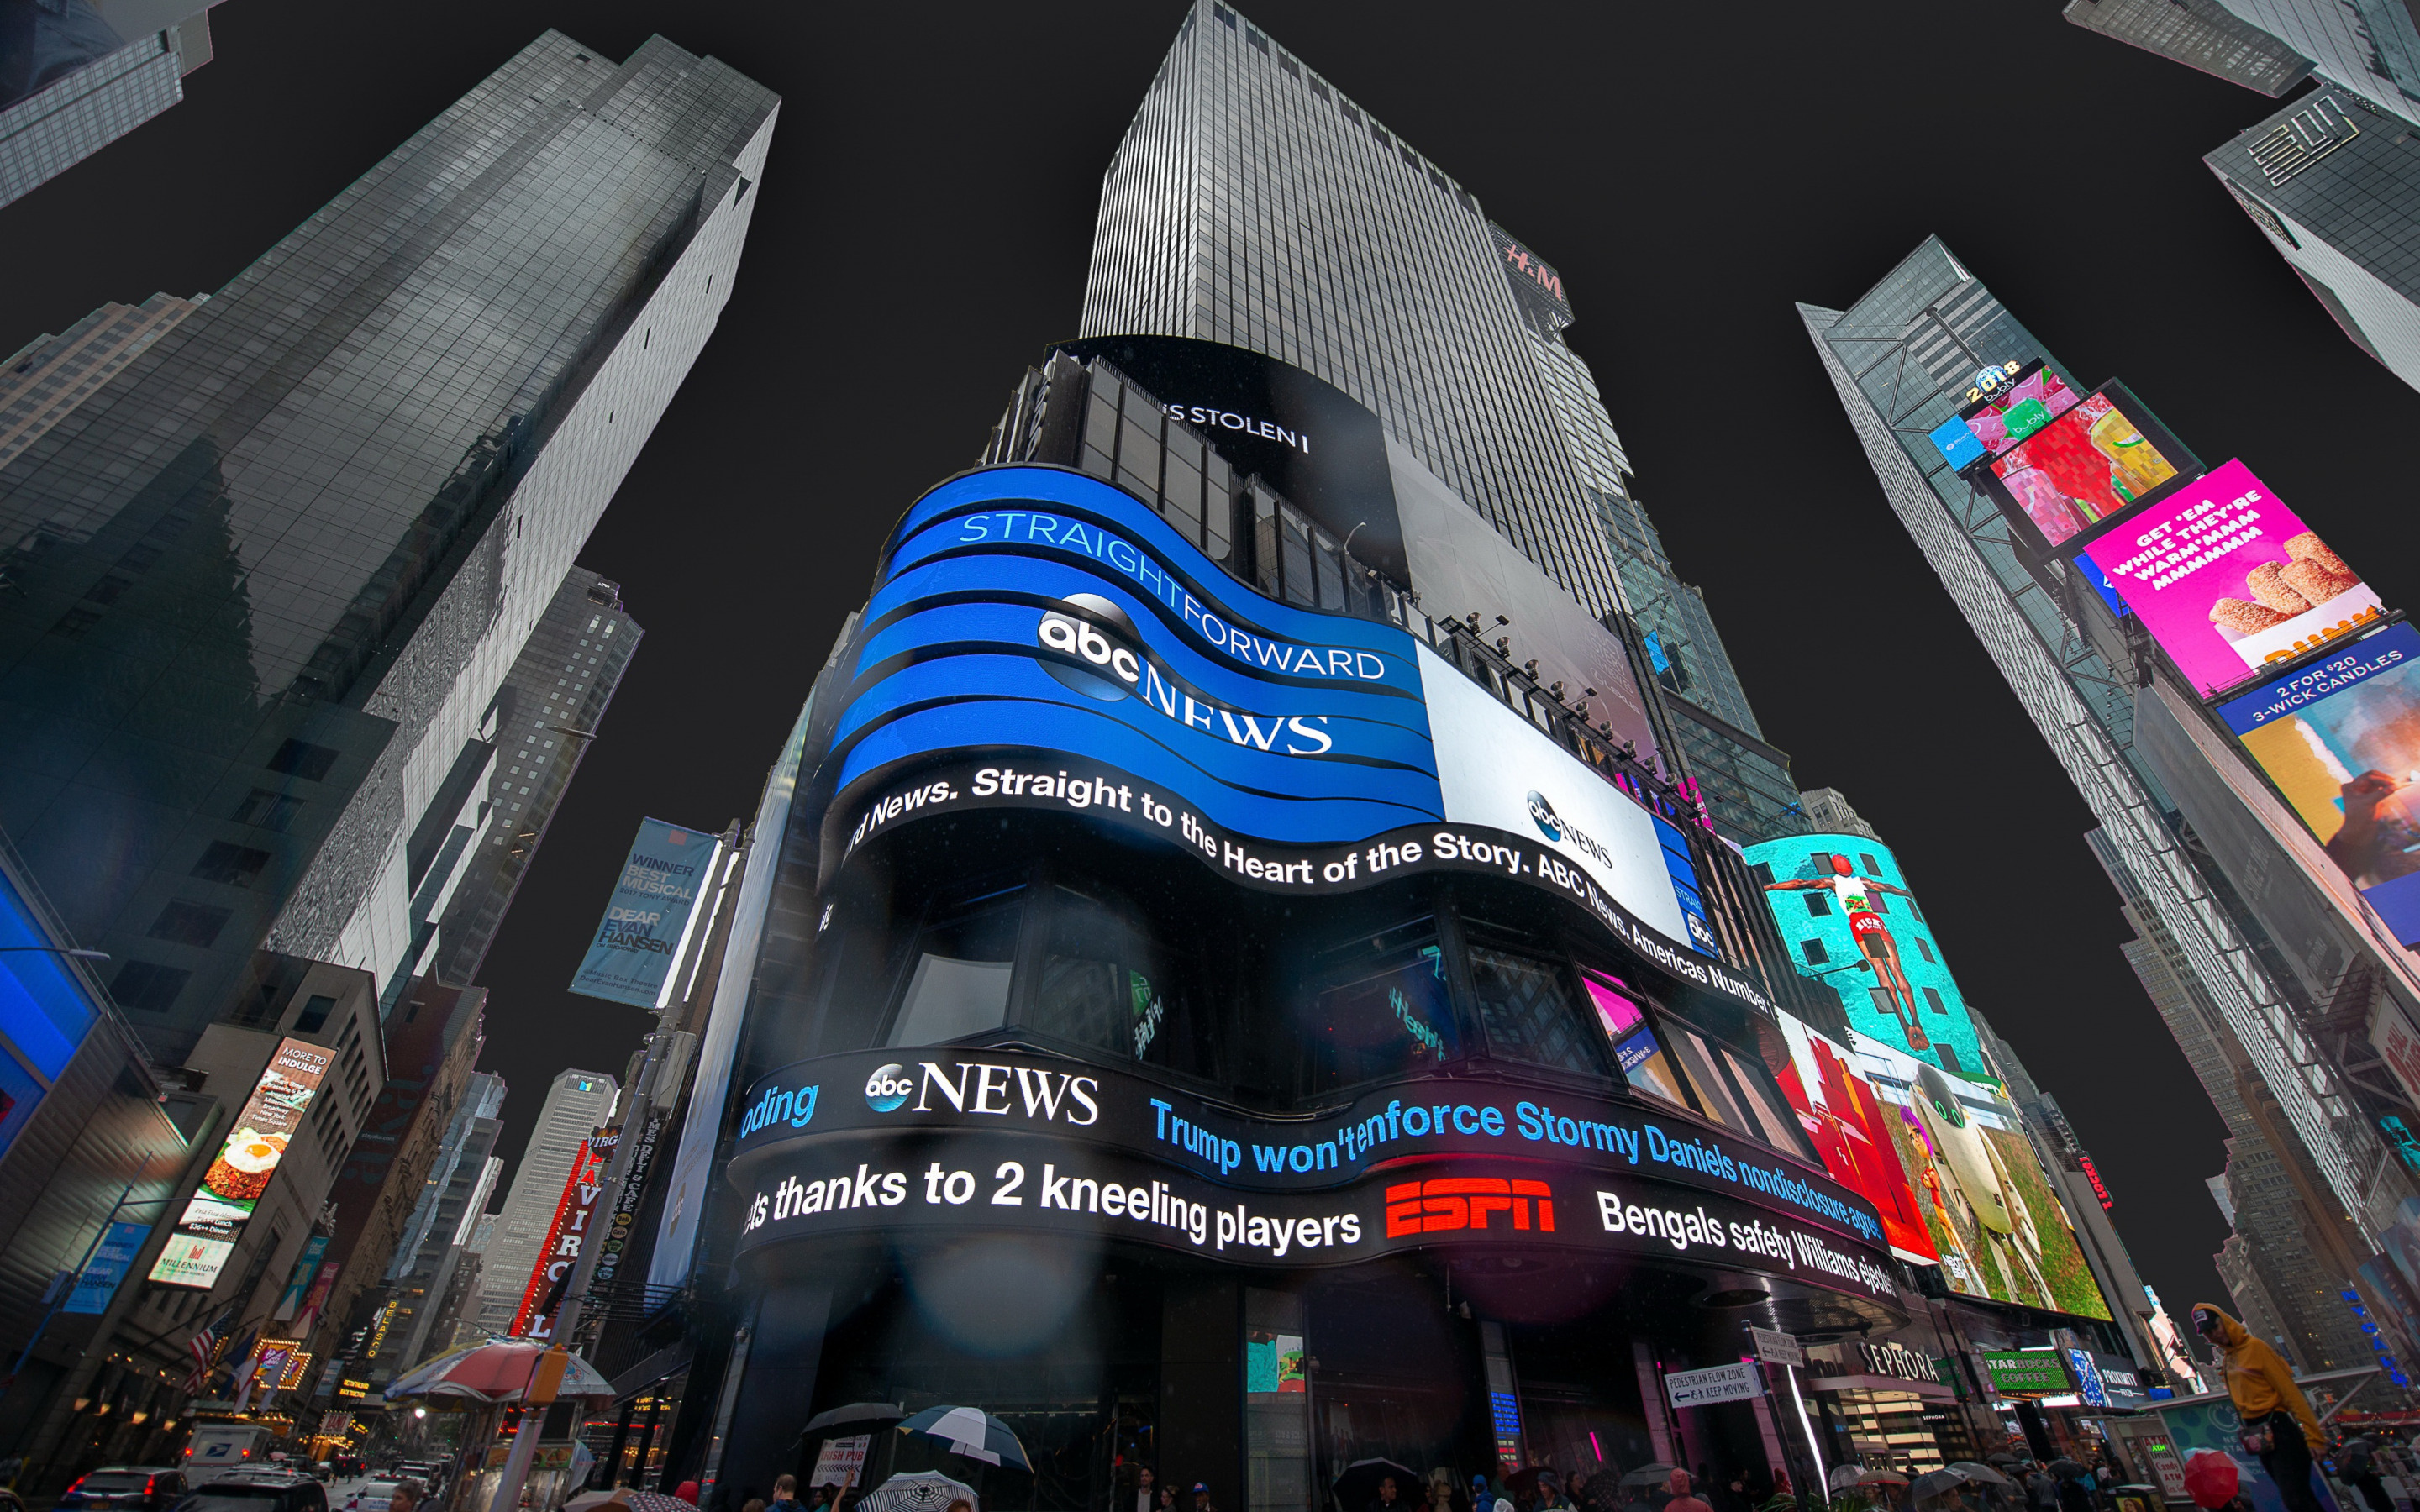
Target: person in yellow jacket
2278 1423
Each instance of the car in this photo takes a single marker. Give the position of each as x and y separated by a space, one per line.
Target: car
254 1490
128 1488
373 1494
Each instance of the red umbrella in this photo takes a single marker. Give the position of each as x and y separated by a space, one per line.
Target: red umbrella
2211 1478
496 1371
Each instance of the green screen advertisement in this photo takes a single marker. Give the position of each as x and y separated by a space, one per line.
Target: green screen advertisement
2001 1230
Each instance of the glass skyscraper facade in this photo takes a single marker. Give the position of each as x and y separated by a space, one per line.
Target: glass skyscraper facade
1253 204
2333 181
73 79
1901 359
271 576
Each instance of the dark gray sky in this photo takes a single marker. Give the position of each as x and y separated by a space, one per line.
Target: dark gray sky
925 226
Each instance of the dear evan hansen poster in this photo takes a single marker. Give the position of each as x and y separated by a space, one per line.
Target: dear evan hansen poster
647 919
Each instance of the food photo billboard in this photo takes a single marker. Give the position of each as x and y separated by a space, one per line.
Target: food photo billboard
1989 1207
2339 738
2228 580
246 1162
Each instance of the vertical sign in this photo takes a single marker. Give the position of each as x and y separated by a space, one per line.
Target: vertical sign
110 1261
231 1188
291 1300
647 919
626 1204
535 1319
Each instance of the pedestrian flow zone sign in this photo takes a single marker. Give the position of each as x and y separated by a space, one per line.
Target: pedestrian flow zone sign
1717 1383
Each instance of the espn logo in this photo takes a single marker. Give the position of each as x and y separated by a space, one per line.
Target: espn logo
1465 1202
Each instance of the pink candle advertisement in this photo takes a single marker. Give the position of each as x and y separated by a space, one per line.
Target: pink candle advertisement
2228 580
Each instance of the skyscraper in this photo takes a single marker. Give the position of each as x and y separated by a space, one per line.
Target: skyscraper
1252 204
577 1102
270 577
49 376
452 1198
73 79
2199 34
2333 181
547 711
1904 358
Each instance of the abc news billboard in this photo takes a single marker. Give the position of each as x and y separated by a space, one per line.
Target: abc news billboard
1040 640
864 1143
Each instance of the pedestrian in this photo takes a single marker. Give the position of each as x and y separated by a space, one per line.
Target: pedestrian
2075 1494
2279 1429
1731 1496
2357 1463
1146 1498
2042 1493
754 1504
1167 1499
785 1491
1682 1500
406 1495
1780 1500
1202 1497
1390 1498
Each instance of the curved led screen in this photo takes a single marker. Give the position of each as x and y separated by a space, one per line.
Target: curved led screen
1039 638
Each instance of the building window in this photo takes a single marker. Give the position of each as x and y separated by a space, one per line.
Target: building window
1644 1061
299 758
235 865
1380 1009
1923 948
1879 903
195 924
315 1014
270 811
1932 999
958 984
1525 1007
148 987
1949 1060
1816 954
1867 862
1762 873
1819 904
1822 863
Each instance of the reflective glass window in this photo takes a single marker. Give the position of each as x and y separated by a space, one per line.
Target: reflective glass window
958 975
1635 1047
1380 1009
1107 984
1525 1007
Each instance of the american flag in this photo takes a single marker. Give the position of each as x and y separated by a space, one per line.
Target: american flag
205 1348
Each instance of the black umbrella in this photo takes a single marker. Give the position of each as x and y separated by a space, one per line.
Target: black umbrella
1655 1475
2065 1468
857 1417
1357 1484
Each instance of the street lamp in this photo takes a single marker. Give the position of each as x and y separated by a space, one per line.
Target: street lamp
68 950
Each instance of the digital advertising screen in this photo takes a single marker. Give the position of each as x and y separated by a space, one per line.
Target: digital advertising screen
1991 1210
2025 398
2228 580
232 1186
2340 740
2101 457
1846 1120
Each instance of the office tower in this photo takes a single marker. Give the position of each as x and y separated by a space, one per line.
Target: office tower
73 79
546 713
1252 204
2199 34
2333 182
576 1103
1903 358
2250 1294
270 578
49 376
453 1197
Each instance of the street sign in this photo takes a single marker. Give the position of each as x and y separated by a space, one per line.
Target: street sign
841 1461
1735 1383
1776 1348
